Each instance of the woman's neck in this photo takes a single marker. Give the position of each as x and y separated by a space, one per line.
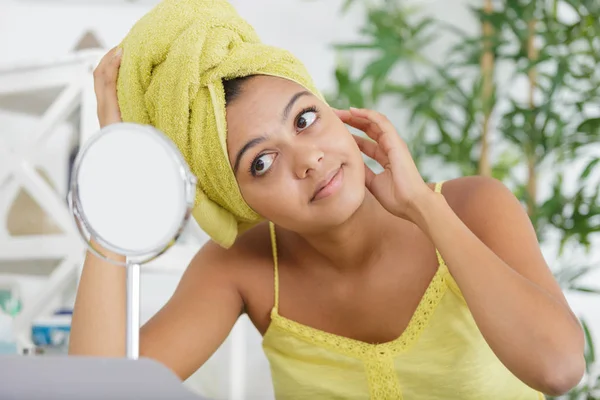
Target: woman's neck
354 244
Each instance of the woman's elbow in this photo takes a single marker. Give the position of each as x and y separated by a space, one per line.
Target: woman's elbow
563 376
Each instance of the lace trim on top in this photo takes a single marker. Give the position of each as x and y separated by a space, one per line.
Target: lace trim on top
363 350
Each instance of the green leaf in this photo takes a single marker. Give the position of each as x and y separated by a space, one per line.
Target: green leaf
496 19
422 26
354 46
381 67
590 352
590 126
349 91
589 168
346 6
585 289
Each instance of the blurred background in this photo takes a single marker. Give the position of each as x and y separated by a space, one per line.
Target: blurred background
503 88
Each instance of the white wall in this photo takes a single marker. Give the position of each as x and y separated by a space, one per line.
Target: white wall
34 29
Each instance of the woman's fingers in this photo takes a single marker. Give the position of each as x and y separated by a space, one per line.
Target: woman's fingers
369 176
368 147
375 125
371 149
379 129
359 123
105 72
379 123
105 86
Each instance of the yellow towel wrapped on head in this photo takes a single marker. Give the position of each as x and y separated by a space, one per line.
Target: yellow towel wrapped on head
175 59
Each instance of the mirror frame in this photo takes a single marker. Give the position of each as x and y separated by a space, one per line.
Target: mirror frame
83 225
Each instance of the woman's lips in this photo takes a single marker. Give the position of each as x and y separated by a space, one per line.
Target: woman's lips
333 183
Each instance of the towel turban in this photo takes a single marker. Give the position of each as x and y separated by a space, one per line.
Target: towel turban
174 61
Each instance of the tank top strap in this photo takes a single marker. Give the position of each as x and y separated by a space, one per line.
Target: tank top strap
441 262
275 266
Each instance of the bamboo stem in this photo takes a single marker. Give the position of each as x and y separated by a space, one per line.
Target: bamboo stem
487 72
532 54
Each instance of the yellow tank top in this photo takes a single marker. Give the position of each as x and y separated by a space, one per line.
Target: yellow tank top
441 355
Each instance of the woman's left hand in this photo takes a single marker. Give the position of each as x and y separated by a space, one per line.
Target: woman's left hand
399 187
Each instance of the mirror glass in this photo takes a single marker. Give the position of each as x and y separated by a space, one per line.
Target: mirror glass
132 189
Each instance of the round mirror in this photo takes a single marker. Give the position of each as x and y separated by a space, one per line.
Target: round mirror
131 191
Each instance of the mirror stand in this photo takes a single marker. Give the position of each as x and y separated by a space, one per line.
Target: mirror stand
132 345
154 181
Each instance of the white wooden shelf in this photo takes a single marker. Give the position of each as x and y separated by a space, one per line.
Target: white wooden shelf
54 92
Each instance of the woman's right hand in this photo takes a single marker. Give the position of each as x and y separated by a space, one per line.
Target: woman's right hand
105 86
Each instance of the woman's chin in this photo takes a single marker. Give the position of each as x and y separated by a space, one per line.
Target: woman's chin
343 208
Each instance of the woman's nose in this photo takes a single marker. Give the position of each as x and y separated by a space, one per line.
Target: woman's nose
307 159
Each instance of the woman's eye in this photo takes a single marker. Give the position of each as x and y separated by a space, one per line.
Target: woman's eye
262 164
306 119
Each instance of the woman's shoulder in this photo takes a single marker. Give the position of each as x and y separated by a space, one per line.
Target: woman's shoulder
469 195
252 245
250 253
474 199
246 266
479 200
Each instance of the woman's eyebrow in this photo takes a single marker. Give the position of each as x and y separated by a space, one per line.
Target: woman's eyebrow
246 147
288 107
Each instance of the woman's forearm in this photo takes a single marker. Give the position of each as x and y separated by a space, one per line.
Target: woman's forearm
98 326
532 333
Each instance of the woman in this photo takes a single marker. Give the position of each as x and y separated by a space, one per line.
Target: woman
362 285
